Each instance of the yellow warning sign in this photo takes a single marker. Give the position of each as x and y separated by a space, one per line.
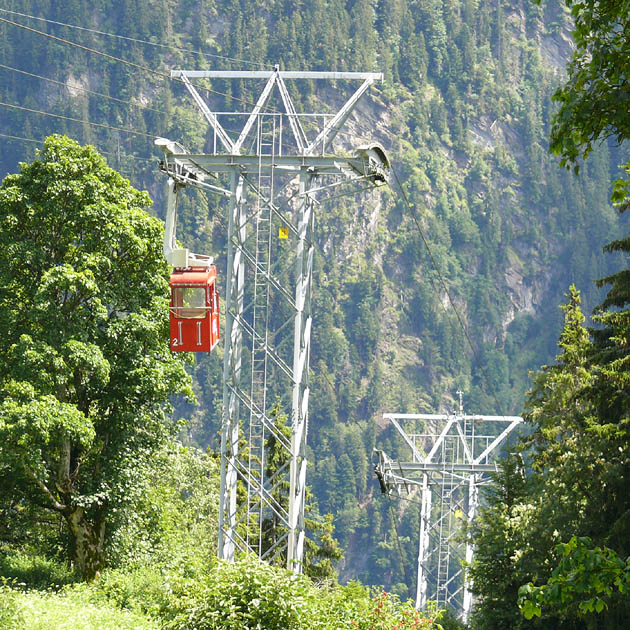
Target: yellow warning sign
283 232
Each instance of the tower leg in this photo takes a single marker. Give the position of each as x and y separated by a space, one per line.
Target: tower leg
301 351
423 547
232 369
473 498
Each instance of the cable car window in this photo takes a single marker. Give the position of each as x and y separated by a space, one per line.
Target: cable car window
189 302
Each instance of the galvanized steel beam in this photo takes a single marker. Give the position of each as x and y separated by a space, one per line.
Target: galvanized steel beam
266 74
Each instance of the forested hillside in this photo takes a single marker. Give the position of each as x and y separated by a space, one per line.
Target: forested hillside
464 113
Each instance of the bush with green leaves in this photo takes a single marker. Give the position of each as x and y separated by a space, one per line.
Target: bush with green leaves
246 594
144 590
251 594
173 515
588 578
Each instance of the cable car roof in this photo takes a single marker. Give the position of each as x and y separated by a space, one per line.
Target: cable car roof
193 277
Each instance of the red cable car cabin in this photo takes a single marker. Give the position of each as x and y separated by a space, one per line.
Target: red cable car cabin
194 310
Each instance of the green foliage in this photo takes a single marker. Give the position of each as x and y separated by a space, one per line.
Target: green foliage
252 594
527 517
143 590
11 615
591 99
577 452
321 557
246 594
86 372
578 407
34 571
505 553
594 578
447 621
171 521
73 608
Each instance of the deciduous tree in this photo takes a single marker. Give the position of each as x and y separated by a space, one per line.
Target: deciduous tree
85 368
593 100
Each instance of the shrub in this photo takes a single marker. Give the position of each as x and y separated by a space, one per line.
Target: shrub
250 594
247 594
143 590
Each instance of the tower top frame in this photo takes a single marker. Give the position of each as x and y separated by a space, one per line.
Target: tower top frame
268 315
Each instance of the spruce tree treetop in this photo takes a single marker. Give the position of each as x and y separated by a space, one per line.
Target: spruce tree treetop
85 367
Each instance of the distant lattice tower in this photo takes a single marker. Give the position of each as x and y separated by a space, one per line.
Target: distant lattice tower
271 172
450 458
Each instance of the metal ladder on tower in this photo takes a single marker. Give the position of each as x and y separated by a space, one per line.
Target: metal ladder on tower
265 139
444 528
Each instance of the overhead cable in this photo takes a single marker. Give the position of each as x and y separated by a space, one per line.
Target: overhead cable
78 120
138 66
6 135
82 89
137 41
107 96
21 139
87 48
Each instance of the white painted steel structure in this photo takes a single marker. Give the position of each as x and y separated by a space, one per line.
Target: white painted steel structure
270 170
450 458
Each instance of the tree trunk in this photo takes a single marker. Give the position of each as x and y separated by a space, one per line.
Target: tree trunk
86 543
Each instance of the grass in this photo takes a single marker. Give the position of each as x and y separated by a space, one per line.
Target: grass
34 571
70 609
38 593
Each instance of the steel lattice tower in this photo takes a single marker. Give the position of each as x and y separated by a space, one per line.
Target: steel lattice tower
271 175
450 458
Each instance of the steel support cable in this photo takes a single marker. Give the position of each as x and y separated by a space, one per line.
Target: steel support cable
33 140
138 66
124 61
82 89
112 98
257 64
87 48
84 122
443 283
5 135
135 40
